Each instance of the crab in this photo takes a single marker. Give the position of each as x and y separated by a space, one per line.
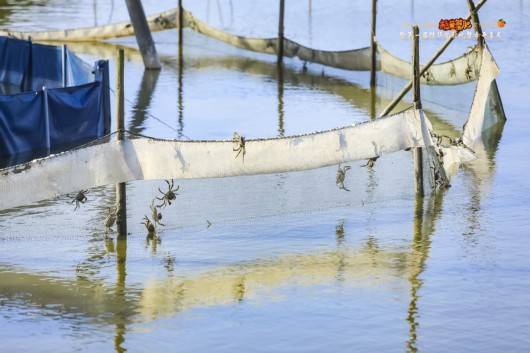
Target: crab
155 214
149 226
80 198
428 76
111 218
469 72
341 175
168 196
439 181
239 145
371 162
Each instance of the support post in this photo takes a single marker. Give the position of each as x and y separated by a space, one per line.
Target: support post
281 32
181 23
46 120
417 152
65 64
373 44
143 34
476 22
427 66
121 191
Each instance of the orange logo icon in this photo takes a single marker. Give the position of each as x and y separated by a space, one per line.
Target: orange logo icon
501 23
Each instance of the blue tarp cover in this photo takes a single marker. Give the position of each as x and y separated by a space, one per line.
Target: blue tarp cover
72 109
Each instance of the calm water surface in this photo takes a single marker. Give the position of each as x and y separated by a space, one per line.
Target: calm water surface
289 263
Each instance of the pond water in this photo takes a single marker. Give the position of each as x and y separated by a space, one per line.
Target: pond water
282 263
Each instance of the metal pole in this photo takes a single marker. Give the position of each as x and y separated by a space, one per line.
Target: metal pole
143 34
121 191
427 66
417 152
65 65
46 120
281 31
373 44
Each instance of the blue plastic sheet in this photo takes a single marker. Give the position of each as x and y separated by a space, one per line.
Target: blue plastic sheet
55 100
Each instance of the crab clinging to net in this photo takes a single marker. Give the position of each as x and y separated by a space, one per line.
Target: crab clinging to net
341 176
168 196
79 198
239 145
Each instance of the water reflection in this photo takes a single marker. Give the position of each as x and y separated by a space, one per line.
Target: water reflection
144 97
281 127
423 228
364 99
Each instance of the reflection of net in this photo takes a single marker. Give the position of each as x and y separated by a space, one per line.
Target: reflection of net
460 70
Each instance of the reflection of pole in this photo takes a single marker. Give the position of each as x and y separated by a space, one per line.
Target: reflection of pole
418 153
143 100
121 195
373 102
121 258
281 31
143 34
281 127
310 23
373 44
419 255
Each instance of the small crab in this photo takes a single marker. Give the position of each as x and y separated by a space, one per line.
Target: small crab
239 145
111 218
370 162
168 196
155 214
79 199
341 175
439 181
428 76
149 226
469 72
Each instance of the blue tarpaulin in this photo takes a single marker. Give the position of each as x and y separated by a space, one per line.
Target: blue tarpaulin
51 100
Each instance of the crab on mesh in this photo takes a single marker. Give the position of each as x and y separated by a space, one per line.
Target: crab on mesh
239 145
79 199
155 214
341 176
371 162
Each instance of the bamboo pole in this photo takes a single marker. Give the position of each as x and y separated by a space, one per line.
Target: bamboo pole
417 152
407 88
476 22
181 21
143 34
373 44
121 191
281 31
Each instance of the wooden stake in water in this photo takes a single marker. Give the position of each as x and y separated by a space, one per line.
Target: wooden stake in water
373 44
143 34
121 191
476 22
281 31
417 152
181 22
